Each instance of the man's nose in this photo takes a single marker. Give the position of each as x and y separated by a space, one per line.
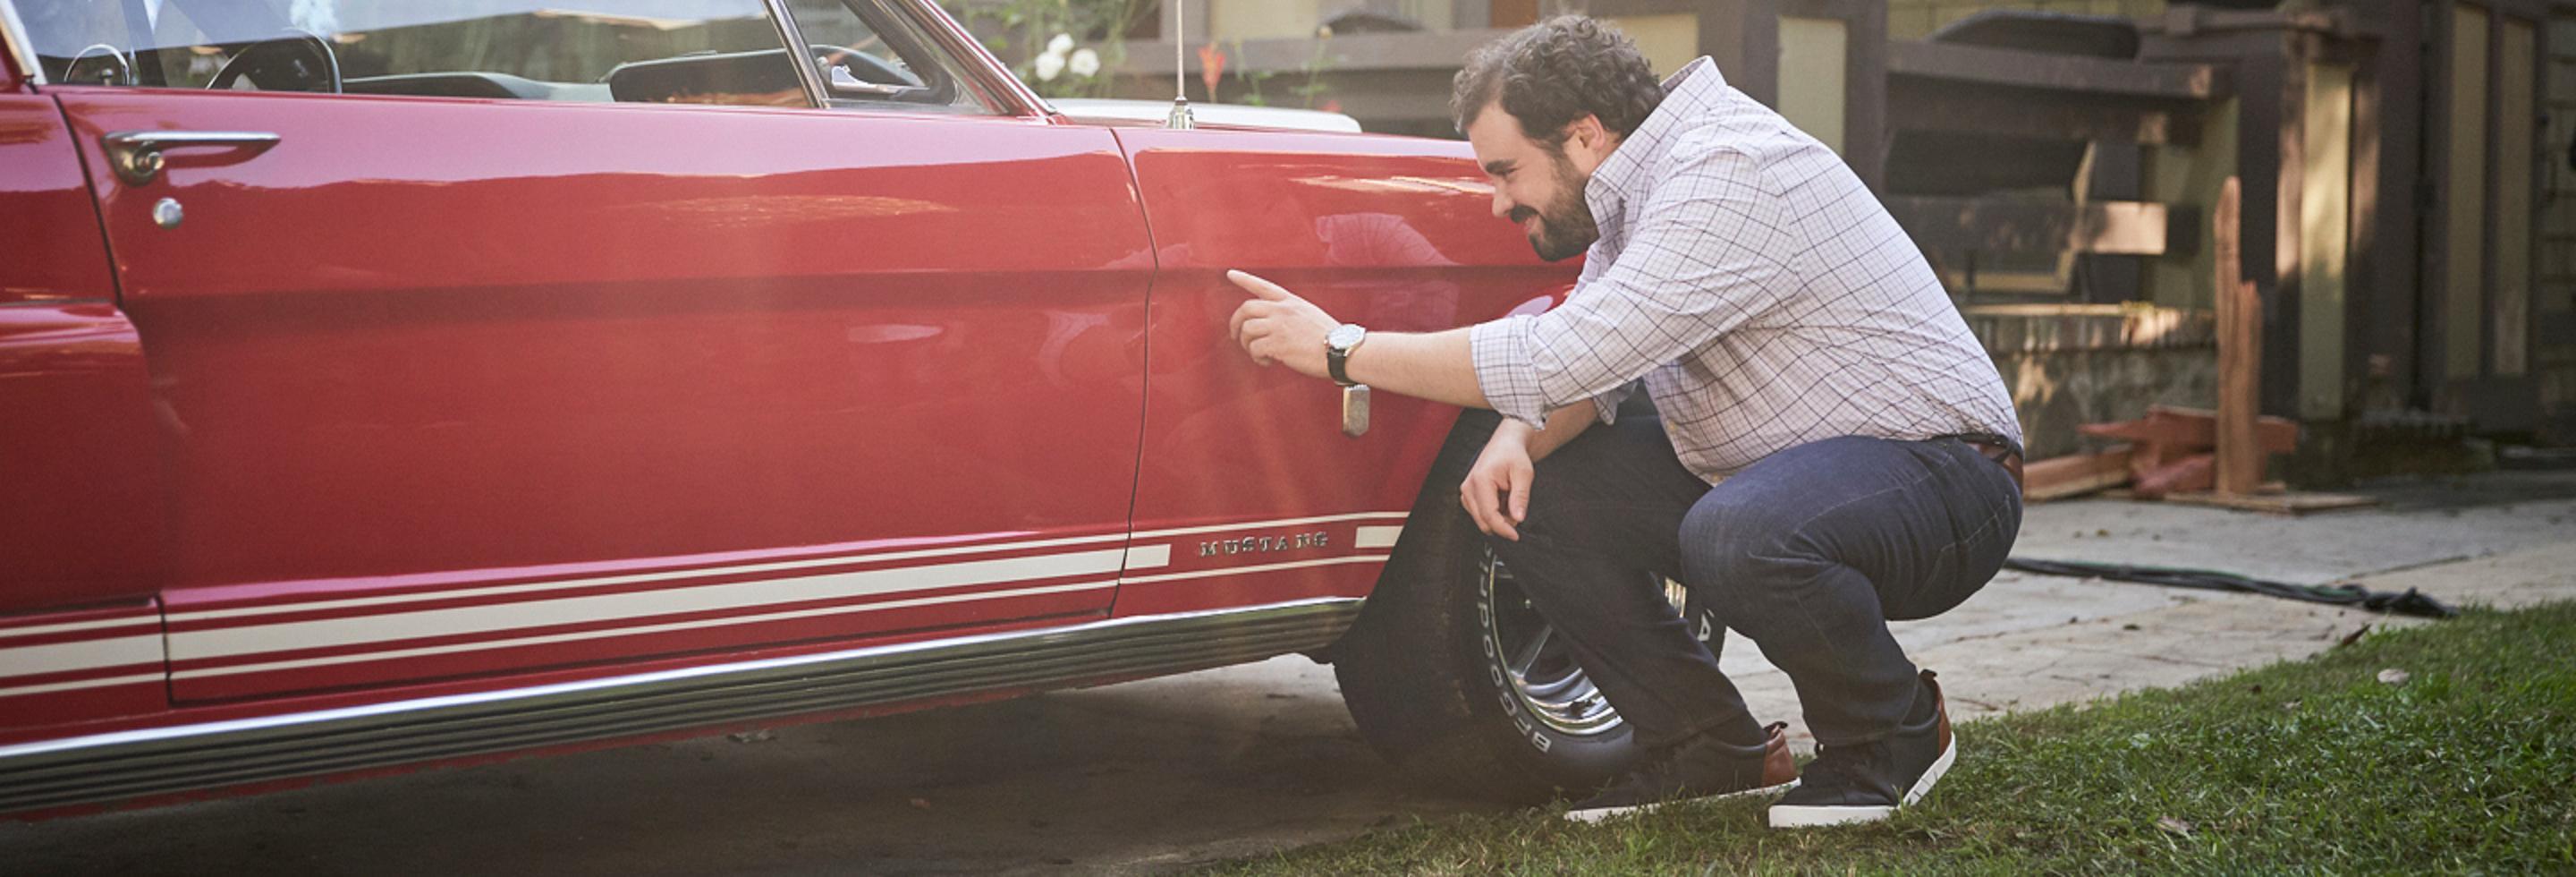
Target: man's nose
1502 204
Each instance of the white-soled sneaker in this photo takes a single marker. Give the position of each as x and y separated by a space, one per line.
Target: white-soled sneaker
1867 782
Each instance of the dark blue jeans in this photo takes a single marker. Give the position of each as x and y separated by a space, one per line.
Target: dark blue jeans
1808 553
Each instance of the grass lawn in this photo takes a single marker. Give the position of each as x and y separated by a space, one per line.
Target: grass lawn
2312 766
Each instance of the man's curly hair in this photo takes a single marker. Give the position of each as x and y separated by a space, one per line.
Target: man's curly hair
1556 71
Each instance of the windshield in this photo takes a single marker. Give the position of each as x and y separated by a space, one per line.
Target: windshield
187 43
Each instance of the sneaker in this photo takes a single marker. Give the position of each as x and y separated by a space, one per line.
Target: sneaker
1865 782
1702 768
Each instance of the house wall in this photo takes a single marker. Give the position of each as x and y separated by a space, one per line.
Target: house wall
2554 353
1915 19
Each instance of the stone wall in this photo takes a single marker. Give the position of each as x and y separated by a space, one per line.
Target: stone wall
2069 365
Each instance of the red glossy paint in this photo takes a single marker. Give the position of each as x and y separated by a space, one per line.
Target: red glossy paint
445 396
79 515
1392 233
45 209
450 339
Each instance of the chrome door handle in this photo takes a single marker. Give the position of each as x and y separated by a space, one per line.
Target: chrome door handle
136 155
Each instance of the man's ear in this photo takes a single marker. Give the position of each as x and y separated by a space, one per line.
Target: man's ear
1586 131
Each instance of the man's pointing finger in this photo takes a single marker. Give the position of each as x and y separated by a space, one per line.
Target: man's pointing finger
1258 287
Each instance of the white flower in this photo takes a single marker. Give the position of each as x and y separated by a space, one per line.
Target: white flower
1085 63
1048 65
1061 44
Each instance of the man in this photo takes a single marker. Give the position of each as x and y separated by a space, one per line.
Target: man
1834 449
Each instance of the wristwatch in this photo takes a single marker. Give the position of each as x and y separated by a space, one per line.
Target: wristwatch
1338 345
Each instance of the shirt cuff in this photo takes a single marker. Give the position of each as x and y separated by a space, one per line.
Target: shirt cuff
1501 350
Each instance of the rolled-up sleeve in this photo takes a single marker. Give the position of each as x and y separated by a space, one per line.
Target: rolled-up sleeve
1701 260
1501 350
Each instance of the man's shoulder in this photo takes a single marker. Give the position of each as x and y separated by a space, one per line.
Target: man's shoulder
1719 152
1758 147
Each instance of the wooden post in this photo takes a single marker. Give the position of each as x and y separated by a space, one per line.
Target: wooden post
2240 353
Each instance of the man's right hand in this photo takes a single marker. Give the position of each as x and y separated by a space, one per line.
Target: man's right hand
1497 489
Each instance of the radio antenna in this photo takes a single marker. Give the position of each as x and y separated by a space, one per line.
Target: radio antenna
1180 119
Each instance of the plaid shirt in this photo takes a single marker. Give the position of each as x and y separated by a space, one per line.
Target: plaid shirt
1759 288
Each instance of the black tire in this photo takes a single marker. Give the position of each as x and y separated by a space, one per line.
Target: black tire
1424 672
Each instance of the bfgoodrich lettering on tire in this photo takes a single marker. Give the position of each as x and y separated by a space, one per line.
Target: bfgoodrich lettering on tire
1452 676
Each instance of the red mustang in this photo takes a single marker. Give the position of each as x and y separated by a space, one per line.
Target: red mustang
386 384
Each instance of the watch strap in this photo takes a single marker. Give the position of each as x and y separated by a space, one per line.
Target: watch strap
1337 356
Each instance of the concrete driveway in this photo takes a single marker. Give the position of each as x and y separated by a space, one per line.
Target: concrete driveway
1157 775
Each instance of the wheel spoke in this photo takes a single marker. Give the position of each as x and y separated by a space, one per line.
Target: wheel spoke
1548 690
1547 681
1586 691
1568 689
1528 656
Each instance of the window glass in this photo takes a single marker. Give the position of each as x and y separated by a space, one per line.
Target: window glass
869 54
655 51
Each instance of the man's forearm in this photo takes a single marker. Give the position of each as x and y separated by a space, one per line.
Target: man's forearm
1563 425
1438 366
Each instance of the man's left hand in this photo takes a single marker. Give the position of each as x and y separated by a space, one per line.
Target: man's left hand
1277 326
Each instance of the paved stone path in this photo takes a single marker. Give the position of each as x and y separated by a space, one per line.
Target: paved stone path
2032 641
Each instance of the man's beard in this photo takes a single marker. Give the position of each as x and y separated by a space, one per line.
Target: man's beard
1565 226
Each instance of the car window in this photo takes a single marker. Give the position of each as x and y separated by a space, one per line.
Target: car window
869 53
652 51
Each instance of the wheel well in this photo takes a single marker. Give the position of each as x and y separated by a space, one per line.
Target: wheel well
1428 528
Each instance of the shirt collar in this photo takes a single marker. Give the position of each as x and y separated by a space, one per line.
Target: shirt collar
1622 176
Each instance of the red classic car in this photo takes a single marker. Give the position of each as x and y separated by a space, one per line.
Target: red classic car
388 383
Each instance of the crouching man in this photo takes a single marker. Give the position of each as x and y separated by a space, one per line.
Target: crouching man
1834 449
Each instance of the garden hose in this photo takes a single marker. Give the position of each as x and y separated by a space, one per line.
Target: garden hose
2408 602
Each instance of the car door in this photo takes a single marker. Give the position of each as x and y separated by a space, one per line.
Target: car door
497 336
1392 233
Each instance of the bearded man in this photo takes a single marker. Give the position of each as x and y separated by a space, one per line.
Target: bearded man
1832 448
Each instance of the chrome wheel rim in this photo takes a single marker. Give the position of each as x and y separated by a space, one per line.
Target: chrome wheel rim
1535 665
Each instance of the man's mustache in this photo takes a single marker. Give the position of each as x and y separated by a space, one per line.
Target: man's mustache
1522 214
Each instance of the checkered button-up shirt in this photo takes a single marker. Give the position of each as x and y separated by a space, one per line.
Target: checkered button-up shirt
1759 288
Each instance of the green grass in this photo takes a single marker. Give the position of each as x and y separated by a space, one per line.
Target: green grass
2302 767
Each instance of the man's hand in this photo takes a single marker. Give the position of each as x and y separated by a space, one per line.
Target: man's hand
1277 326
1497 489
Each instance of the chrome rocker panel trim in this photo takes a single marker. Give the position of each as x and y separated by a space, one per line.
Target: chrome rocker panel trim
154 761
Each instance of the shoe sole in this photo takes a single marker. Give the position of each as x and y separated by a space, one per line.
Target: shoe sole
1598 814
1801 816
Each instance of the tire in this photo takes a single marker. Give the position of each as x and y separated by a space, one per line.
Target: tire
1439 674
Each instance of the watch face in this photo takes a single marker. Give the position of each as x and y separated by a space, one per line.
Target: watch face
1344 335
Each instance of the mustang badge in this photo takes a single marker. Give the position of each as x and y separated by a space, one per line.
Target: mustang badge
1257 544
